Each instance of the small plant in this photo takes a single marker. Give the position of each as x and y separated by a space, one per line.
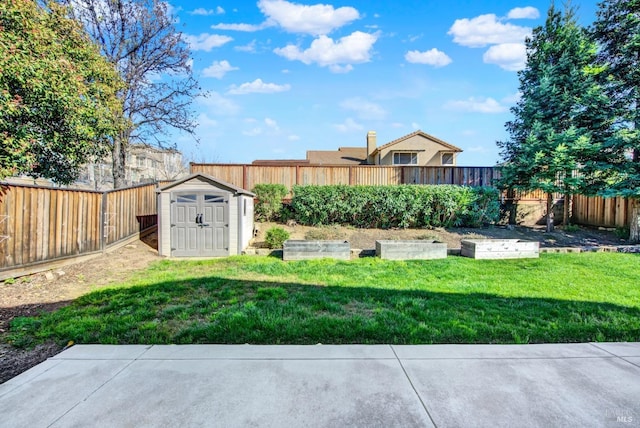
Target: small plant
269 201
572 228
622 232
10 281
275 237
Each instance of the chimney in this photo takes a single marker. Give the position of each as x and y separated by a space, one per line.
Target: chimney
371 147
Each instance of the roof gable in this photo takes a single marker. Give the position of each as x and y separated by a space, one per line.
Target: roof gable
209 179
420 133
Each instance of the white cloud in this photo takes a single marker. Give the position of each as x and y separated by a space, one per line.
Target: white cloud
476 105
247 28
258 87
528 12
513 98
478 149
207 12
337 55
509 56
340 69
397 125
316 19
365 110
250 47
218 104
205 121
206 42
271 124
252 132
486 30
293 137
218 69
349 125
415 125
432 57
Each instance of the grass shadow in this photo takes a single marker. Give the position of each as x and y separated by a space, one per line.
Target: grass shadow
213 309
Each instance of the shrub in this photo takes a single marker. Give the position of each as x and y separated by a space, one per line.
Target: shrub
275 237
396 206
622 232
269 201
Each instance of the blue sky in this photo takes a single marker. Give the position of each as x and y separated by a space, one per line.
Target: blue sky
286 77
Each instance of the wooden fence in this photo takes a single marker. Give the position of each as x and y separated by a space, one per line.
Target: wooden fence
41 224
596 211
247 176
592 211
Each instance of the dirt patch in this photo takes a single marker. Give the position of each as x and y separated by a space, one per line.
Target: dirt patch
366 238
45 292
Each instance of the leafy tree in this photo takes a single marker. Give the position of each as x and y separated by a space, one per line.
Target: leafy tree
140 38
617 31
57 93
557 121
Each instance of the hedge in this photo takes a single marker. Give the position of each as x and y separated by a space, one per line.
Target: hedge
396 206
269 201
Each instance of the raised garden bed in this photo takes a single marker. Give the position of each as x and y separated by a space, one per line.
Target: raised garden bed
304 250
410 249
499 249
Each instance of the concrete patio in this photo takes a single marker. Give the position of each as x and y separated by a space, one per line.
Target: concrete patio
548 385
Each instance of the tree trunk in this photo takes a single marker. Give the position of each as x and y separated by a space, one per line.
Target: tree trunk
119 157
511 205
566 218
634 221
549 212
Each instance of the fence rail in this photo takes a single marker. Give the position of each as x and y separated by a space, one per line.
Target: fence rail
42 224
247 176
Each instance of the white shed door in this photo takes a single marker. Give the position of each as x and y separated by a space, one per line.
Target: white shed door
199 224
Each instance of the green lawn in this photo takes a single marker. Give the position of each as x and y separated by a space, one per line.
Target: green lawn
557 298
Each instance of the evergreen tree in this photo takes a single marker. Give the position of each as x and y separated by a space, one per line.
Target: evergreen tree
617 31
557 120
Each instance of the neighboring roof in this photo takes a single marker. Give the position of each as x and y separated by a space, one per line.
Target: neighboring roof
422 134
343 156
214 181
276 162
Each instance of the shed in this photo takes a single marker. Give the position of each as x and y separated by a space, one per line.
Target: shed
201 216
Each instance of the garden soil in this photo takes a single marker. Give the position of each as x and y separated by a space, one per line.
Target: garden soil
48 291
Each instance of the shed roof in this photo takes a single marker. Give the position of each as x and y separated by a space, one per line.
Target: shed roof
214 182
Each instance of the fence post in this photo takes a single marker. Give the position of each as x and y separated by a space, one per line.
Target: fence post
103 210
244 176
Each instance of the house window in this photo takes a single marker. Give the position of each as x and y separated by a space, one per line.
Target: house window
405 158
447 159
140 161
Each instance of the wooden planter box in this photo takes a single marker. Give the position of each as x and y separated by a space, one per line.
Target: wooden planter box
411 250
304 250
499 249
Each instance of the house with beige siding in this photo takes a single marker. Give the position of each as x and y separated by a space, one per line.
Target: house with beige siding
416 149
